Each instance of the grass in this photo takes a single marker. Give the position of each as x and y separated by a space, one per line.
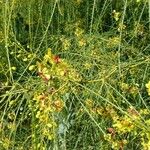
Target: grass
74 75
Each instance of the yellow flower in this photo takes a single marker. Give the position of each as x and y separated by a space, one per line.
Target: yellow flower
121 27
146 145
124 125
11 126
144 112
78 32
113 42
116 15
66 43
78 2
31 67
13 68
49 56
124 86
148 87
49 125
82 42
87 65
89 103
58 105
25 59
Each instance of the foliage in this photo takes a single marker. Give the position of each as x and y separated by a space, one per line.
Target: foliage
74 74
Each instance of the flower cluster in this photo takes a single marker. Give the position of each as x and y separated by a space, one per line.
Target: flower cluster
53 67
113 42
54 75
45 107
148 87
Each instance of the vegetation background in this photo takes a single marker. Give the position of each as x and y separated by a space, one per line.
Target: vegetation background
75 74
